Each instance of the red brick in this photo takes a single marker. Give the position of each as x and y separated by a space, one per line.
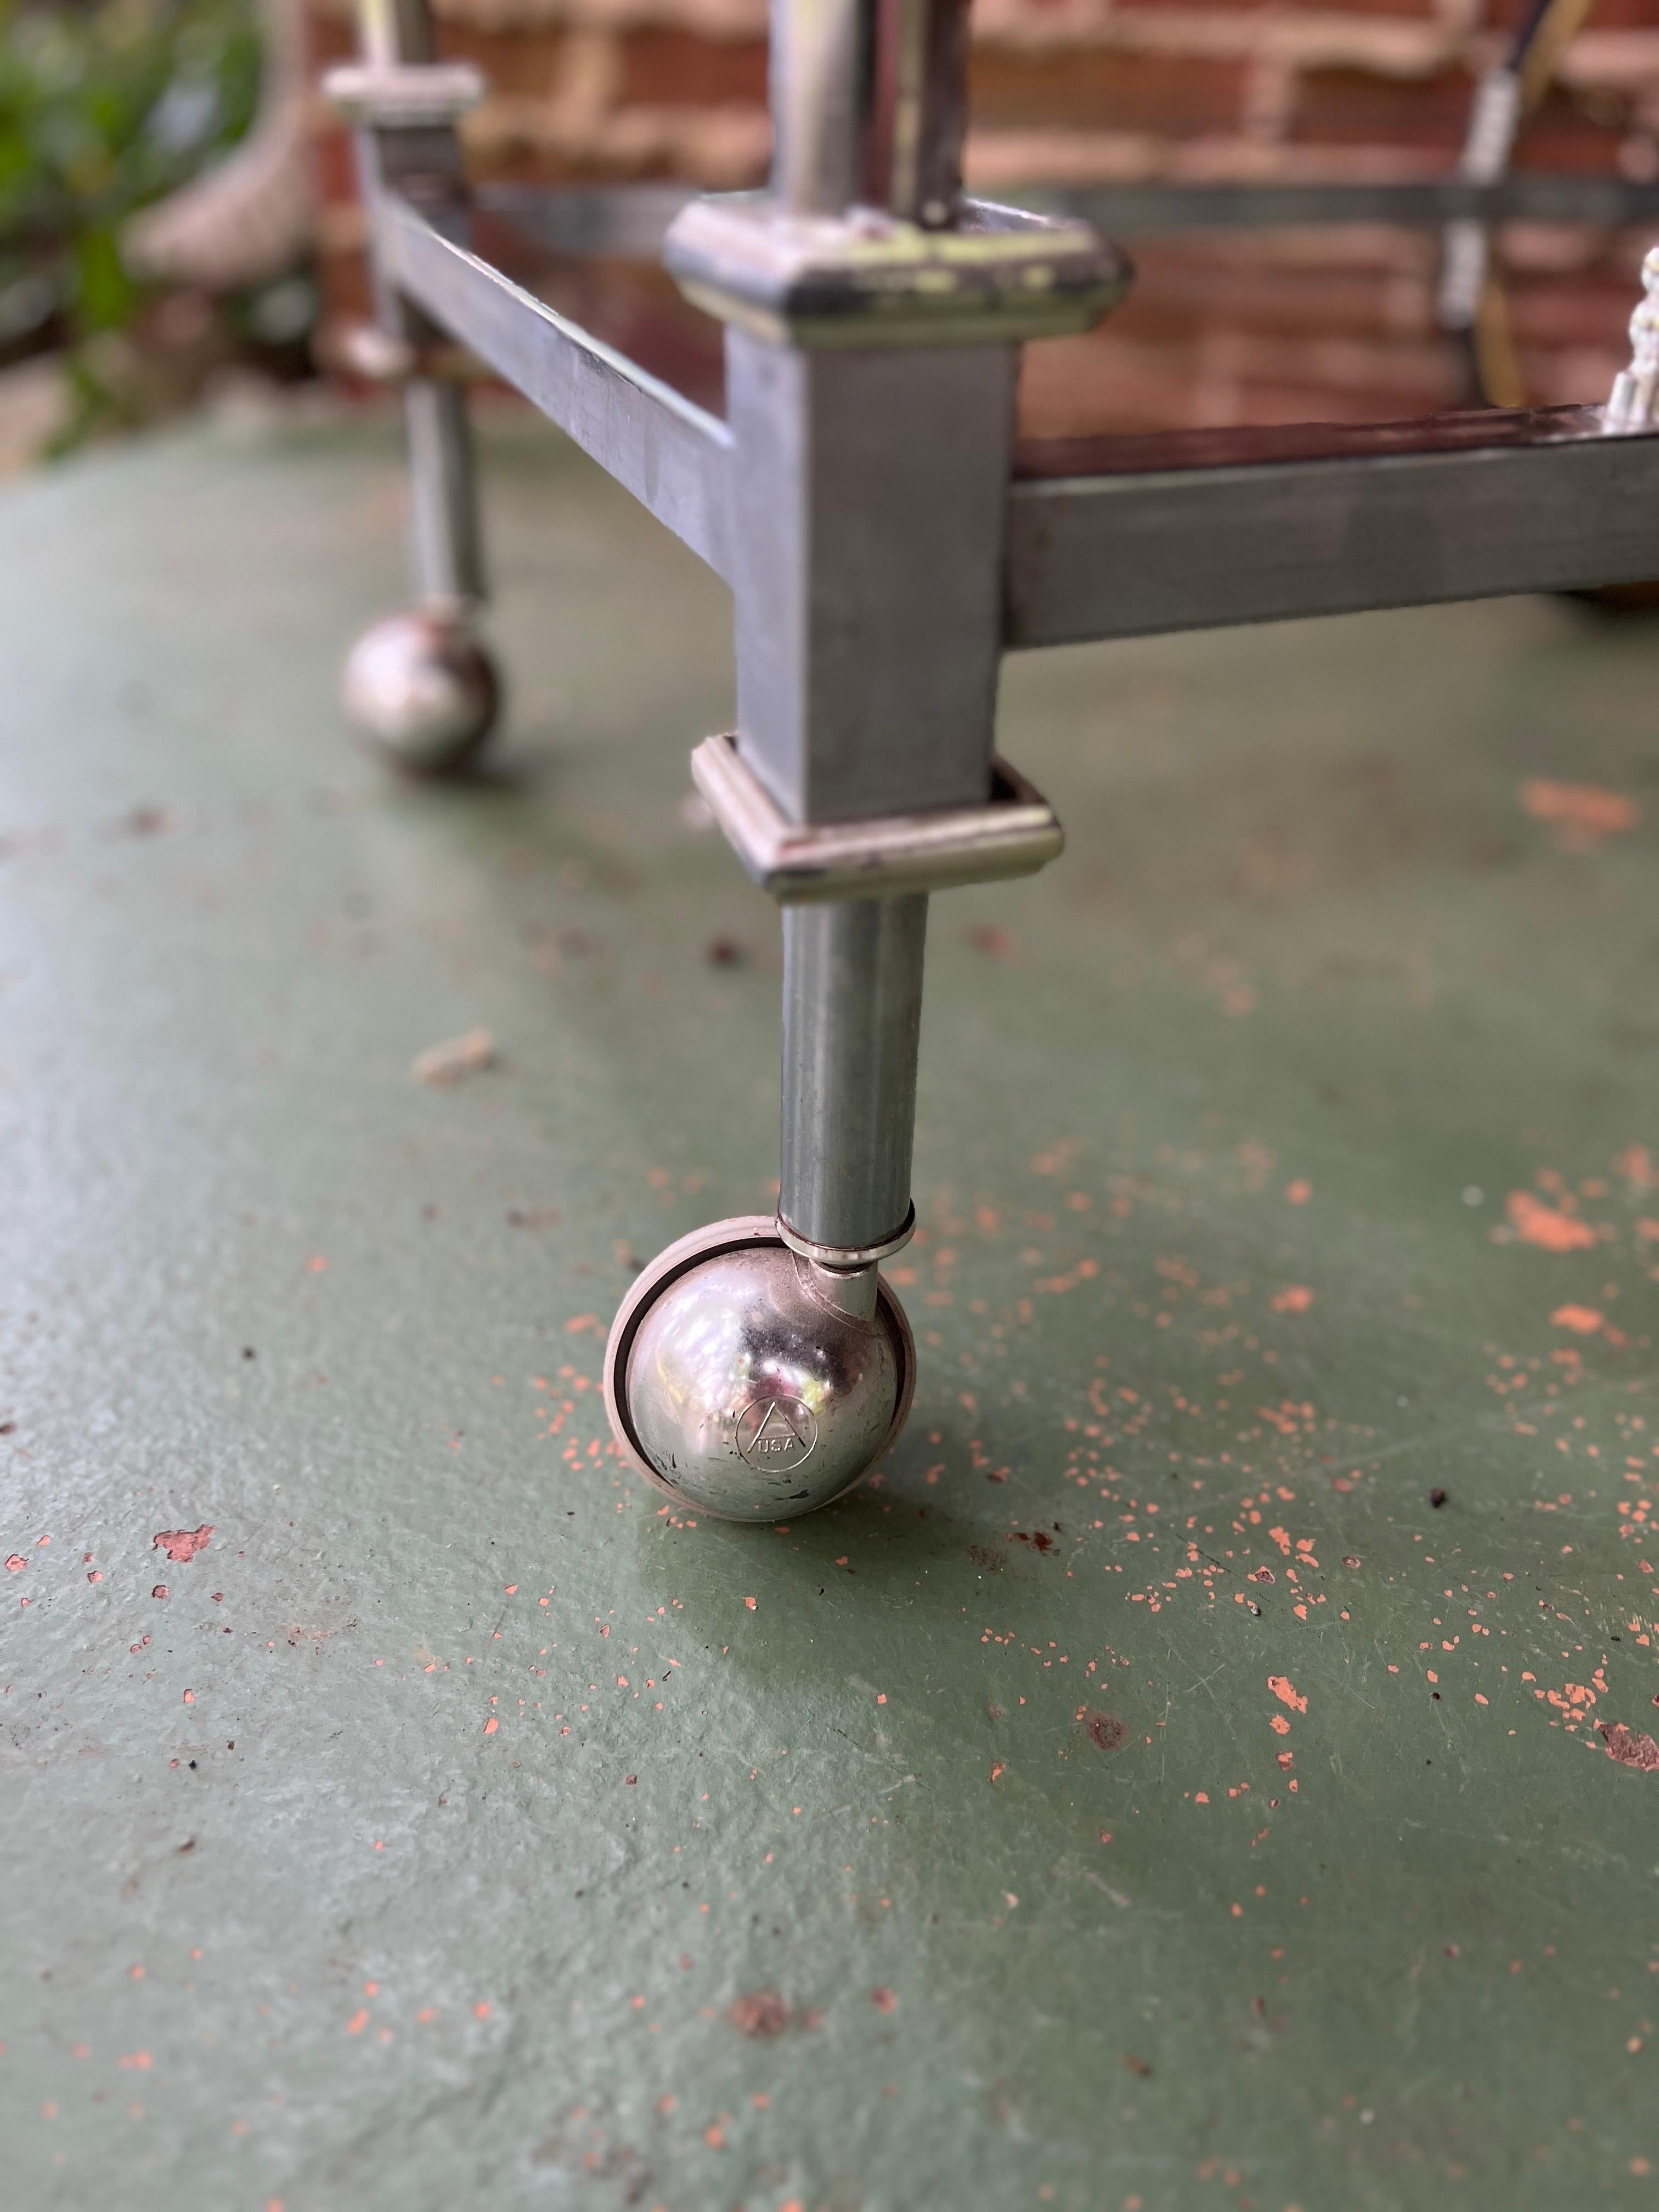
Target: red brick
1316 304
336 166
1413 10
1164 96
1262 327
1575 132
1073 386
330 39
674 69
509 62
1573 311
1624 15
1349 106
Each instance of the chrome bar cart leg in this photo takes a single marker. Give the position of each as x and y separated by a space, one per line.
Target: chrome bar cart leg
852 1025
758 1368
446 541
420 685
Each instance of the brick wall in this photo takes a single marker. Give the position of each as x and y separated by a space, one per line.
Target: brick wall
1222 327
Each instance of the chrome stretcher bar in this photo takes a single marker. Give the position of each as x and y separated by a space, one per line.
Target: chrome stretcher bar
672 455
1120 537
1130 211
1104 542
632 220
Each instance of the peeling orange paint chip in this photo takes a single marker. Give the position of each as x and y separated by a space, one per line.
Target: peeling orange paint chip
1285 1691
1628 1749
1581 814
1551 1231
181 1545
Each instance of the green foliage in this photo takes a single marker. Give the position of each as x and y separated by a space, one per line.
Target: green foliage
104 105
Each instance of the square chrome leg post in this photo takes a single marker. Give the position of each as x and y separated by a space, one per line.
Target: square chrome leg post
420 685
759 1368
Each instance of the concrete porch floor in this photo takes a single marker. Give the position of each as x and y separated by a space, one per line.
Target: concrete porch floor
1205 1769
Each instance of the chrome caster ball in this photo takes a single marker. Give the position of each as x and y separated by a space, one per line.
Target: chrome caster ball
421 689
750 1383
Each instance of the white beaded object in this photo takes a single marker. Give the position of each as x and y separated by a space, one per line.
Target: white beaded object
1634 401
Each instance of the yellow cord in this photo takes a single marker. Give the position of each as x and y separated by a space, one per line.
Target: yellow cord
1561 25
1497 365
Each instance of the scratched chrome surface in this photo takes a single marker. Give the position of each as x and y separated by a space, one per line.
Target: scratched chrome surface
753 1396
421 688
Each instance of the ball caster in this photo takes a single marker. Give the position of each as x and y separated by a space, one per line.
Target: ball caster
421 689
751 1383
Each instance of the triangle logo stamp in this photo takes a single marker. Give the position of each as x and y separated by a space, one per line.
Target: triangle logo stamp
775 1435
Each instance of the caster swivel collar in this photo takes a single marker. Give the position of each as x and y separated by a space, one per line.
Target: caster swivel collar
751 1383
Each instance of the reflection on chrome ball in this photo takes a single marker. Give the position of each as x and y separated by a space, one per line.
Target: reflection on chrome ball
421 688
750 1383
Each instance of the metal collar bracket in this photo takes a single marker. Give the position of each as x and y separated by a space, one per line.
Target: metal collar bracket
1015 833
404 95
867 278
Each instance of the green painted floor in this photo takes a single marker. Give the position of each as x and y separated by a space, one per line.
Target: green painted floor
1205 1768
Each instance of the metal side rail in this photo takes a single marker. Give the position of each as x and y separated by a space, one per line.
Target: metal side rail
1524 195
580 220
1124 537
671 454
577 221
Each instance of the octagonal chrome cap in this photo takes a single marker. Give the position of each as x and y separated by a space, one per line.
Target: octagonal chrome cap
752 1385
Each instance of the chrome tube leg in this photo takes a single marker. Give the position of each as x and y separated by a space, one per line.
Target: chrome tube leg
447 544
419 686
757 1369
852 1024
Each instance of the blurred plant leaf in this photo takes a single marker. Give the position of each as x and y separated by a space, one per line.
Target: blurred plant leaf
105 106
